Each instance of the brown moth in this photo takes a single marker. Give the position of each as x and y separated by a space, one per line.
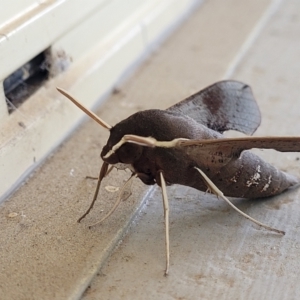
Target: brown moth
184 145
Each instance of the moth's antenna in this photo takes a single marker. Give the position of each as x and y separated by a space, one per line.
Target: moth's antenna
83 108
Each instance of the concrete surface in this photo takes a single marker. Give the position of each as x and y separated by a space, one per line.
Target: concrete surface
215 253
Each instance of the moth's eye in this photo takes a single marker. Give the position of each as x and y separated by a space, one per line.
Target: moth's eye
129 153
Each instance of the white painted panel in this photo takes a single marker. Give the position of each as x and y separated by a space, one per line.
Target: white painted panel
33 32
101 40
101 26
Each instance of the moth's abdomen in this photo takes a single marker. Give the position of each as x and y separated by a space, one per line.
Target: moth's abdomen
251 177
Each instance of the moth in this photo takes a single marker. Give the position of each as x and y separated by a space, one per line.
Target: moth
184 145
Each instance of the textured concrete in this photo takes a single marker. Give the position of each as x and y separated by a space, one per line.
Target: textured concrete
215 253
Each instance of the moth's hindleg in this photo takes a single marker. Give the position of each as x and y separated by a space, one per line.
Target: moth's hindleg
218 193
166 214
102 174
119 199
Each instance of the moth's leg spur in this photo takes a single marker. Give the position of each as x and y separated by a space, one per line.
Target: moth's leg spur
102 174
166 214
91 177
119 199
217 192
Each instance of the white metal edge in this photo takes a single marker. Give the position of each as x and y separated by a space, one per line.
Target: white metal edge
3 106
26 30
14 9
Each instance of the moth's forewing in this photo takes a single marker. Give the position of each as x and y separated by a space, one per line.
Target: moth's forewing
225 105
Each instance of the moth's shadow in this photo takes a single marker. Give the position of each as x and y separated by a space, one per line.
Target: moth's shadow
194 208
272 202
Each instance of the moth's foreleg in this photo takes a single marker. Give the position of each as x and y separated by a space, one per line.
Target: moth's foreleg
218 193
102 174
119 199
166 215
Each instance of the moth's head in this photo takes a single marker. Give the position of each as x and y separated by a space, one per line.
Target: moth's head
114 152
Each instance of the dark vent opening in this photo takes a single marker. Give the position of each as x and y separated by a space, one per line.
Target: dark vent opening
26 80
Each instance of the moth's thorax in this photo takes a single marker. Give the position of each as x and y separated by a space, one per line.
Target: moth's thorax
159 124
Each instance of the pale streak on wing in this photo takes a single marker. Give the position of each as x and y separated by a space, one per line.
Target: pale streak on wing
227 147
225 105
232 147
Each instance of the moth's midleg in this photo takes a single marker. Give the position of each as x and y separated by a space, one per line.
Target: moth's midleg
166 214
